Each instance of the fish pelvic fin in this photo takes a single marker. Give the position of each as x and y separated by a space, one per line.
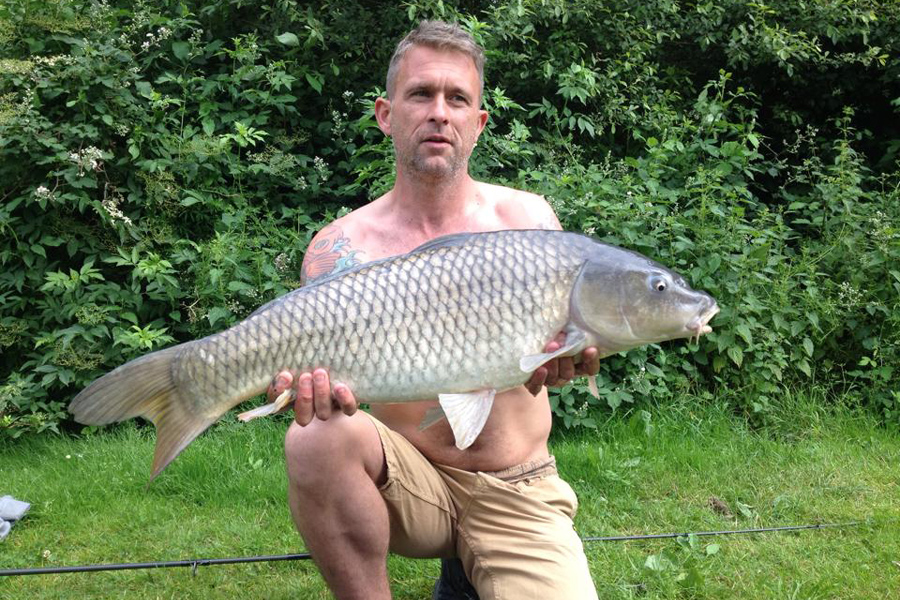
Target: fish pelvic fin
283 400
467 414
145 388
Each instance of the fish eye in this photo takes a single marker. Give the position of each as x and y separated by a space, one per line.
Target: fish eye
658 283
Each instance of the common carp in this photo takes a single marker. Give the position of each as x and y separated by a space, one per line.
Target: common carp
457 319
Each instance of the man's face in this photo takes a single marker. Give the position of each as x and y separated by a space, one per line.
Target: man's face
433 117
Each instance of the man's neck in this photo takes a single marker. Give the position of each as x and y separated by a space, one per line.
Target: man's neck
433 207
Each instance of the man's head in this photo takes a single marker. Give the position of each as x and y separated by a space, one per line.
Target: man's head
439 36
432 111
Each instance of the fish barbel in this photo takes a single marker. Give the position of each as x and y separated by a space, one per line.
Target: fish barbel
457 319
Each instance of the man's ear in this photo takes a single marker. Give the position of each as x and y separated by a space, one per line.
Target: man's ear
482 121
383 114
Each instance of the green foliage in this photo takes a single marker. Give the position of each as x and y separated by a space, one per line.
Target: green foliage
684 565
164 164
224 496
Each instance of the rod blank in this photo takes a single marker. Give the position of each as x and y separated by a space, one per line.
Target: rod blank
202 562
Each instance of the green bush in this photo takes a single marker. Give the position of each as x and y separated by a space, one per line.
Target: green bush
164 165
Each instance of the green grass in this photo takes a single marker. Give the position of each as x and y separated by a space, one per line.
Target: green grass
225 497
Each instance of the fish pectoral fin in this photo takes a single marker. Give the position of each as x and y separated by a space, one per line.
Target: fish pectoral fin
467 414
283 399
432 416
592 386
575 340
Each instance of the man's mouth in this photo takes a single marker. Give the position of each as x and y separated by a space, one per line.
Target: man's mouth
436 139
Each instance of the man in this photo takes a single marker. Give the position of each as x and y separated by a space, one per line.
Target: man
362 485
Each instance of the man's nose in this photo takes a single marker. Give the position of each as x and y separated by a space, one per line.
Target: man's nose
439 109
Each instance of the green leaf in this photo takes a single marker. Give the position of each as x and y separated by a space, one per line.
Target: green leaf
718 363
744 331
314 82
235 286
144 88
654 370
657 563
735 354
216 314
808 346
288 39
181 50
814 319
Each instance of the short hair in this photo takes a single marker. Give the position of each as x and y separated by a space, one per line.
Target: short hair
439 35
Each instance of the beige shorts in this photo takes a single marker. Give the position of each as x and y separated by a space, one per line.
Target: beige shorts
512 529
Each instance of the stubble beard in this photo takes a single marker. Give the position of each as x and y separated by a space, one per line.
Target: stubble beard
432 169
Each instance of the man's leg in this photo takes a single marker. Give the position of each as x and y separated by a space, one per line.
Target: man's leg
516 538
334 470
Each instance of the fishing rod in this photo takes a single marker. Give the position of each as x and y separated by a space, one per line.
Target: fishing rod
203 562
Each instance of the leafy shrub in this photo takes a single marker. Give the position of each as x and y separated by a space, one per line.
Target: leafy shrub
164 164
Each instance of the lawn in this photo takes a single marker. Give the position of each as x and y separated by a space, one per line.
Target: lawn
684 467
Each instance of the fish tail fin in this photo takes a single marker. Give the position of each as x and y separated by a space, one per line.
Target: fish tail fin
144 387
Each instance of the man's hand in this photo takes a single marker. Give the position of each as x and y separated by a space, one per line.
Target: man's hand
314 396
560 371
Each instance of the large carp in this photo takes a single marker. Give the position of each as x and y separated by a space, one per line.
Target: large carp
457 319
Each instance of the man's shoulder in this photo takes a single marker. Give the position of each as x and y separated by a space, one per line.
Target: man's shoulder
347 241
334 248
519 209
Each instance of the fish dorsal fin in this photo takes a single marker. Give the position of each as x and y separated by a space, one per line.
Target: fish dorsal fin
454 239
467 414
576 341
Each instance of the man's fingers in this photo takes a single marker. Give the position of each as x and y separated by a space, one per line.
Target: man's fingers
281 382
322 394
565 370
303 405
552 367
345 399
590 362
537 380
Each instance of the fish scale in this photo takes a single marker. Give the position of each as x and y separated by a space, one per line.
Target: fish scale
457 319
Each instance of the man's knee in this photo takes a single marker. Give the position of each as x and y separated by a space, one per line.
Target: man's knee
323 449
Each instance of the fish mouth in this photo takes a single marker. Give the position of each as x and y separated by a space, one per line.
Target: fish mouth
700 325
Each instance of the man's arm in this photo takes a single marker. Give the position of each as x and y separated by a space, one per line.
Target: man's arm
328 252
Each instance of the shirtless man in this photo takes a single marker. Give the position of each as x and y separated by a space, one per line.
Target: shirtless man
362 485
